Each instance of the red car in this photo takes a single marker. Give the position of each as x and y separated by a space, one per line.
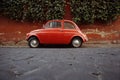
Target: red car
57 32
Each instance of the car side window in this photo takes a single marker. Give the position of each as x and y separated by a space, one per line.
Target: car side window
68 25
54 24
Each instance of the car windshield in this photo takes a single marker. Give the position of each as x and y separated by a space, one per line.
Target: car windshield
53 24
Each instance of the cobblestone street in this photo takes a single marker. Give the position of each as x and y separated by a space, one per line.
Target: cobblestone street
60 64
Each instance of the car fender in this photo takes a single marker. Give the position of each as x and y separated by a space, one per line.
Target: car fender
29 35
76 35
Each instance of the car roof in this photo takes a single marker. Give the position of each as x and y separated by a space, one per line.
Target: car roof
61 20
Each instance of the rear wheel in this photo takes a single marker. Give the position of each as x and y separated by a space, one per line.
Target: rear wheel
76 42
33 42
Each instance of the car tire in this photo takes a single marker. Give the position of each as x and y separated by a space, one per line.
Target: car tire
33 42
76 42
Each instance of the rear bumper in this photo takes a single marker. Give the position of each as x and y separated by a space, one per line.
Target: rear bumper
85 38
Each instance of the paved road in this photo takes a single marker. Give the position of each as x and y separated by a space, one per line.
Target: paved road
60 64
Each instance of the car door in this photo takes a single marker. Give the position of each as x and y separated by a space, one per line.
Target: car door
68 31
52 33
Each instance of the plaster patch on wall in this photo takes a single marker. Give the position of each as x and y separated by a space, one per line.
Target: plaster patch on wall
2 34
103 34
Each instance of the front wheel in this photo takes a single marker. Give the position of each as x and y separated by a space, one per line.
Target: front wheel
76 42
33 42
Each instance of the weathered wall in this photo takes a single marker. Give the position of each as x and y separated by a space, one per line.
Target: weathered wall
11 30
103 32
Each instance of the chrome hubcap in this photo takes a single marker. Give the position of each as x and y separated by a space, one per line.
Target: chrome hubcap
76 43
34 43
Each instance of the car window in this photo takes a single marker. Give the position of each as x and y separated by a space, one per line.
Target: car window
68 25
54 24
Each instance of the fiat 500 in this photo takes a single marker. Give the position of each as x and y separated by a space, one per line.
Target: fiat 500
57 32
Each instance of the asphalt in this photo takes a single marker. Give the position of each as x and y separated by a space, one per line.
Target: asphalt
60 64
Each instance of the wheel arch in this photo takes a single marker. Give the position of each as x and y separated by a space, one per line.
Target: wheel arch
33 36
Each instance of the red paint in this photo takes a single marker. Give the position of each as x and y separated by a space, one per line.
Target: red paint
95 36
58 35
67 11
11 30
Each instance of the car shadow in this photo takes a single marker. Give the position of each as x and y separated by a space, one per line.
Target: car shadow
57 46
